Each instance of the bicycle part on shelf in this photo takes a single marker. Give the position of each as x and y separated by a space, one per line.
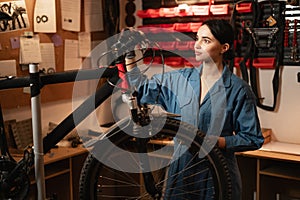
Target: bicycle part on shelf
17 187
102 181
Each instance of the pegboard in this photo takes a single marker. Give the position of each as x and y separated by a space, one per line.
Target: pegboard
263 22
14 98
266 33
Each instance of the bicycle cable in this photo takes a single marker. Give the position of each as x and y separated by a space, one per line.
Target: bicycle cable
147 66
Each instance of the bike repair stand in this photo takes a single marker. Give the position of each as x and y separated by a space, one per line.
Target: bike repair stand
37 130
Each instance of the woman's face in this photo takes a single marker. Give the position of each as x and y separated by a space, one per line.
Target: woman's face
207 47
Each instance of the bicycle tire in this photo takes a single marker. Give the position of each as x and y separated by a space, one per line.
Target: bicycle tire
98 181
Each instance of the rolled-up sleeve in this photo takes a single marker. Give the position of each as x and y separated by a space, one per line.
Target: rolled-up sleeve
150 91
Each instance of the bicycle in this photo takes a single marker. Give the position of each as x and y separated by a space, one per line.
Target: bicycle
148 144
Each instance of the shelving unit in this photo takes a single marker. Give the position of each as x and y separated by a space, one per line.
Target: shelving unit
280 172
270 175
174 27
62 171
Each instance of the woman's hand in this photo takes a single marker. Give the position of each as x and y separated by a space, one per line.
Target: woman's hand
221 142
130 63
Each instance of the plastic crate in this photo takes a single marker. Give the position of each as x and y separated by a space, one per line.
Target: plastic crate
264 63
200 10
156 60
174 61
191 62
183 45
149 13
194 26
182 27
167 45
167 12
237 61
221 9
243 7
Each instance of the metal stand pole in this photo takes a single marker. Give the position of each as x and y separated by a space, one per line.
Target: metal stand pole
37 131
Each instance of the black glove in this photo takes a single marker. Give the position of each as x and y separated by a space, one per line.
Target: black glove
128 39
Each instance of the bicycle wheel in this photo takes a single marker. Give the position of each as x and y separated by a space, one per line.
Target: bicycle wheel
104 181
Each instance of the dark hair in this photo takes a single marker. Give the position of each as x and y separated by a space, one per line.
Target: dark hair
223 32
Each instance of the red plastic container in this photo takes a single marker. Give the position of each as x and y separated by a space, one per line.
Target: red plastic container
192 44
244 7
174 61
264 63
156 60
194 26
184 10
167 45
221 9
151 28
149 13
237 61
183 45
167 27
200 10
191 62
182 27
167 12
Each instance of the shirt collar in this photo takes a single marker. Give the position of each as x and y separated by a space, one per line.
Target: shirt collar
226 75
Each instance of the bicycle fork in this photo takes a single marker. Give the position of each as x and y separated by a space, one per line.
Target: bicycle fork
149 182
140 116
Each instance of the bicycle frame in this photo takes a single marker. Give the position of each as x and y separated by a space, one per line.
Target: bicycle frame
84 109
139 117
36 82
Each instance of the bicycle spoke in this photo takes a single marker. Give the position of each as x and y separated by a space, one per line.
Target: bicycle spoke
198 178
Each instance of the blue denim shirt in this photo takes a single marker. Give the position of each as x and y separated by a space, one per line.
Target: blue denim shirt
228 110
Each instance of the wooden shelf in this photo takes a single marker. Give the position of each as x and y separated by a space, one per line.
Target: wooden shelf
62 172
273 173
52 175
271 155
280 172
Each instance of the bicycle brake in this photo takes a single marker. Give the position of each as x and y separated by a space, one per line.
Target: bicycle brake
139 114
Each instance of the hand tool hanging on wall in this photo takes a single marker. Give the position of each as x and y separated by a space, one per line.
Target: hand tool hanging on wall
286 33
243 15
291 45
268 19
294 48
260 26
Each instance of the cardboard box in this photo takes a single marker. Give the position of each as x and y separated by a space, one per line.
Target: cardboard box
267 134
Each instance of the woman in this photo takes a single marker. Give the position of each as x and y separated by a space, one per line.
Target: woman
211 98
